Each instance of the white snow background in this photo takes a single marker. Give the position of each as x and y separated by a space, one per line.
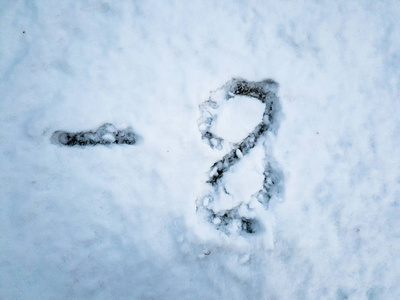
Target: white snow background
119 222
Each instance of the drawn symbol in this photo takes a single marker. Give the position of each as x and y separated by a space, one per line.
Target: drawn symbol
106 134
227 220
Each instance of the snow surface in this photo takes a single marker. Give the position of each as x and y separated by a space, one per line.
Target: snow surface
237 117
119 222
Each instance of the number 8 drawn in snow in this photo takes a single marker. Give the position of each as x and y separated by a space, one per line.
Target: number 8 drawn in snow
243 216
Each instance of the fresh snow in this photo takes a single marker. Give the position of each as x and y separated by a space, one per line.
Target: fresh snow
120 222
237 117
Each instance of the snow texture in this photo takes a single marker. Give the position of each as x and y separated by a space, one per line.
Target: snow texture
120 221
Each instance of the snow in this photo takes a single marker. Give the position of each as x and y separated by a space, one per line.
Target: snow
246 178
120 221
237 117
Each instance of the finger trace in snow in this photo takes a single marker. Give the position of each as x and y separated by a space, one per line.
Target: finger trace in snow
106 134
236 219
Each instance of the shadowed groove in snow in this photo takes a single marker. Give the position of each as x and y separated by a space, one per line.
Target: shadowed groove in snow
264 91
106 134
